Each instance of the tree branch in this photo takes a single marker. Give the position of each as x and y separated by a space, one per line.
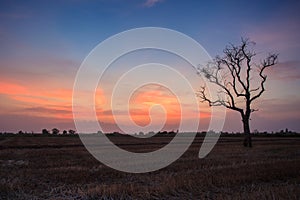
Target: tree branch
271 60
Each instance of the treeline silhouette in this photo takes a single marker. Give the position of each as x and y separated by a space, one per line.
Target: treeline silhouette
71 132
45 132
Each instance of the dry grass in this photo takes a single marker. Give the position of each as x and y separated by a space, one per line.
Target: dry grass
60 168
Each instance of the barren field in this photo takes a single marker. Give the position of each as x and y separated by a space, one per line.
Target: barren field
61 168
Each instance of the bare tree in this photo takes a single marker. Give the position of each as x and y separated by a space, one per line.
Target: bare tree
237 80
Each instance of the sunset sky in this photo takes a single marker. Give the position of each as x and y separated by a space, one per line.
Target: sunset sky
43 43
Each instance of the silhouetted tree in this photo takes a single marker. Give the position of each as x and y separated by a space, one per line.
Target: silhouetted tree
55 131
72 132
45 132
141 133
65 132
233 74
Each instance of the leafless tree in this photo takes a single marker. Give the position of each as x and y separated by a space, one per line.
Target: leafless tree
237 80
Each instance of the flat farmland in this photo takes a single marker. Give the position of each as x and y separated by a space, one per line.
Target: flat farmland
59 167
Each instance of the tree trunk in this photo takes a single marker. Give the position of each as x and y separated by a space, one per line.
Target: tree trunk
247 139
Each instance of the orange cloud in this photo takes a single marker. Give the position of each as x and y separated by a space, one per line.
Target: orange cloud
31 100
12 88
35 101
100 99
142 101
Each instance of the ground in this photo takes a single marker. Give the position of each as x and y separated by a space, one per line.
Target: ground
48 167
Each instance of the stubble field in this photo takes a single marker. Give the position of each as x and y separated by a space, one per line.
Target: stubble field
61 168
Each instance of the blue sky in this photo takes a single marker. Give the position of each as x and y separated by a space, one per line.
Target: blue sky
44 42
77 26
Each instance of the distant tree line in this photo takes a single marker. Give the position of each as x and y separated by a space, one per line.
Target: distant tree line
283 132
57 132
54 131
